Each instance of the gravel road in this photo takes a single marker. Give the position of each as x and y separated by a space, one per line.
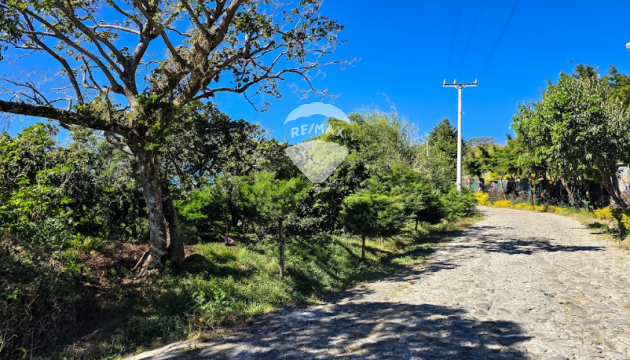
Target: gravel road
517 285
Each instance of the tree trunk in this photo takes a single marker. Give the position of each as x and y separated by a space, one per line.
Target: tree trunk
606 180
546 185
382 242
586 185
415 230
281 248
148 176
174 243
568 189
532 189
363 248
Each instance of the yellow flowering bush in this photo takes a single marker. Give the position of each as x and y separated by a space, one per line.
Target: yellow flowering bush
524 206
604 213
502 203
482 199
625 220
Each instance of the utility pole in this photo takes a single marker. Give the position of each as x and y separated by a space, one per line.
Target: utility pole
459 127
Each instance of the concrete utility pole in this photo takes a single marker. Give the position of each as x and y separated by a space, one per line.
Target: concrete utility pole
459 128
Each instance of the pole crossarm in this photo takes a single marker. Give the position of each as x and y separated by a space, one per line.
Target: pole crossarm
459 87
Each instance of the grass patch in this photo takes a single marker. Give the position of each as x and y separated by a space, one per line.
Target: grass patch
220 287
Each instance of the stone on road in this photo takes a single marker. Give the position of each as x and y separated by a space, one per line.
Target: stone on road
517 285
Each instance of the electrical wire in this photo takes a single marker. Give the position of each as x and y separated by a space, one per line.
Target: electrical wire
472 33
494 49
450 55
496 45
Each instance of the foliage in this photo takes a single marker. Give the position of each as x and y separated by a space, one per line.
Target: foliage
577 126
502 203
275 200
553 209
604 213
72 211
442 160
46 190
156 109
482 198
219 286
49 217
457 205
372 214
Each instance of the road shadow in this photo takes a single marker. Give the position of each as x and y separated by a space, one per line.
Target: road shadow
527 245
375 330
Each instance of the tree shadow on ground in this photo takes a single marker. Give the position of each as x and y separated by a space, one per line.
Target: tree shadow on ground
375 330
196 264
526 245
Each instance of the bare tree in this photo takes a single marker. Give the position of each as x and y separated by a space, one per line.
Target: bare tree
106 79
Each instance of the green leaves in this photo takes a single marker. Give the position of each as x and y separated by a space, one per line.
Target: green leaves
579 123
457 205
47 191
275 199
370 213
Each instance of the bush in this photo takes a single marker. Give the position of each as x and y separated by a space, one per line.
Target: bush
482 198
39 299
502 203
604 213
456 205
524 206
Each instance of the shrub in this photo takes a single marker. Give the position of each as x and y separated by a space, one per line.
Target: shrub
38 299
482 199
604 213
457 204
502 203
625 221
524 206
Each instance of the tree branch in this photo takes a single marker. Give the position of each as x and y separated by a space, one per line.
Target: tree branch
118 143
115 86
62 116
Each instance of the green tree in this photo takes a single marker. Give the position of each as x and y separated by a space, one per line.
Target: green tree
47 190
275 200
412 188
115 84
478 160
442 160
369 214
578 126
457 204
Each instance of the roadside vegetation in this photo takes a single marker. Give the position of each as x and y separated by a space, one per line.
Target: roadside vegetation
115 239
74 230
565 156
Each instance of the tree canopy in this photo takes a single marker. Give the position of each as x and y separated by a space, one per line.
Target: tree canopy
108 79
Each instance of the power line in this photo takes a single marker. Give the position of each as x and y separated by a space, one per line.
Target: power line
494 49
472 33
496 45
448 67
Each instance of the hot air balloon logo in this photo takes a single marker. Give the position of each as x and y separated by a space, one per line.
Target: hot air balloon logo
316 159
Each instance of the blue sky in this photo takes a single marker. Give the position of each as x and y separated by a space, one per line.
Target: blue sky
403 50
